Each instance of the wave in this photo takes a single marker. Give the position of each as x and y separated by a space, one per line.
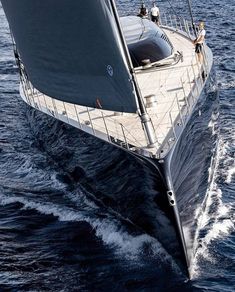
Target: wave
230 174
229 163
112 232
227 85
214 216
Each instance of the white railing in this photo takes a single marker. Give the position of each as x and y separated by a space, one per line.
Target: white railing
101 124
94 121
184 27
192 82
178 24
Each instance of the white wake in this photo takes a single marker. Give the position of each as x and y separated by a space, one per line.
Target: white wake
214 216
109 230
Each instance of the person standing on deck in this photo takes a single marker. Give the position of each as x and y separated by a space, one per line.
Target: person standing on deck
155 13
198 42
143 12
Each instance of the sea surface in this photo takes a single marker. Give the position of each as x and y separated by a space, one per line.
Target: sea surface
66 198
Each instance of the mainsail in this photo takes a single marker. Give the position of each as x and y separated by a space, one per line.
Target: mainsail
72 51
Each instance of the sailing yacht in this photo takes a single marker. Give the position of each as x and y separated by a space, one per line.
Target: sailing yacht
125 80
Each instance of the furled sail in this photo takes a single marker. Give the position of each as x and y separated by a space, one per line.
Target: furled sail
72 51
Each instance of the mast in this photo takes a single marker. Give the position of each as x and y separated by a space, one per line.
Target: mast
191 14
145 119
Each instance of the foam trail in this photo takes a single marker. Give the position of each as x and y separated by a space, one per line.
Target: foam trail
230 175
213 216
228 85
110 231
228 162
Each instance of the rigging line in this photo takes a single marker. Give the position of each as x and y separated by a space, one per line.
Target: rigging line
140 101
143 29
173 9
143 25
179 16
191 14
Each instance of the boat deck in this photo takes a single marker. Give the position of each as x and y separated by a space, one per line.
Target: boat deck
175 87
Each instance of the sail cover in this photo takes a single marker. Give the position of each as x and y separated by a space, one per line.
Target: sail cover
71 51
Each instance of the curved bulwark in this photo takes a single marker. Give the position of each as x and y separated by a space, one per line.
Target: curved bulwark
71 51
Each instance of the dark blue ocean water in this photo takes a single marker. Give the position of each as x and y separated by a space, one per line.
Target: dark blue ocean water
65 196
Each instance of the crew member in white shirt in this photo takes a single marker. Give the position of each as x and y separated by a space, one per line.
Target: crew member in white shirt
199 41
155 13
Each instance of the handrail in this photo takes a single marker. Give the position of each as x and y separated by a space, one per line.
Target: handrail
138 142
124 134
175 116
182 25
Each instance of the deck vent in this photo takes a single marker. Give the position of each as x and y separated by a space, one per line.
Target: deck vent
151 101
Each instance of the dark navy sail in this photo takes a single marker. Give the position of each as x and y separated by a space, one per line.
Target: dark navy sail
73 52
